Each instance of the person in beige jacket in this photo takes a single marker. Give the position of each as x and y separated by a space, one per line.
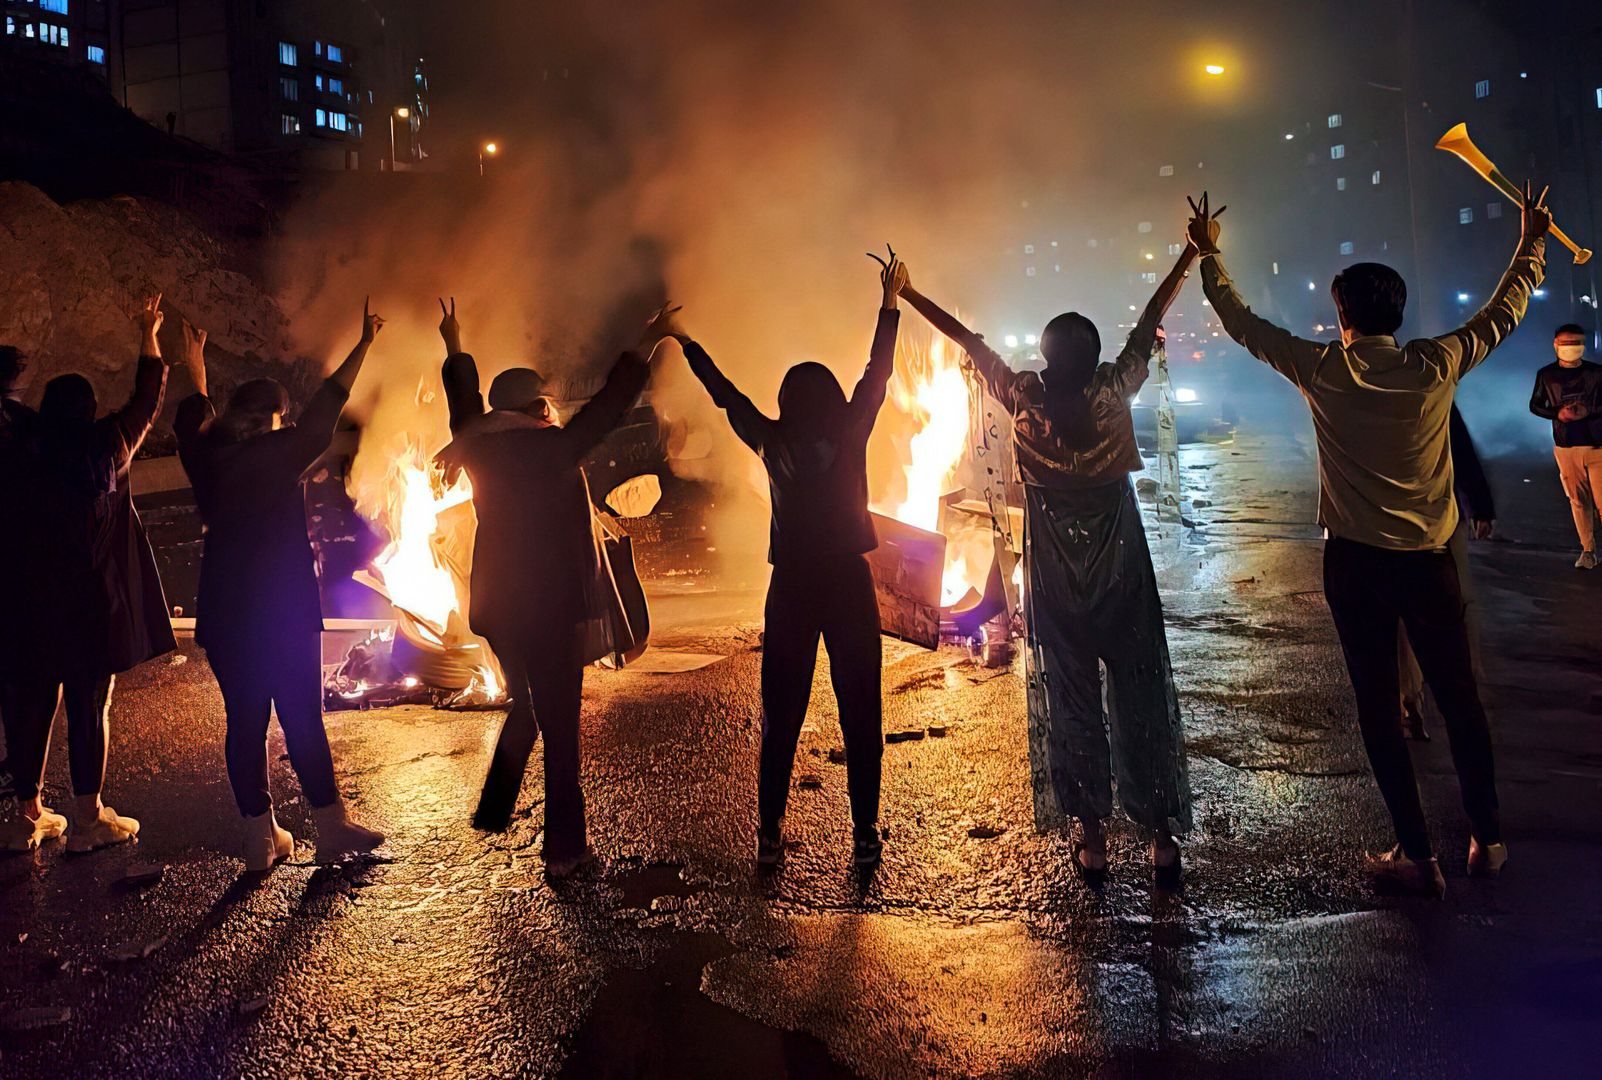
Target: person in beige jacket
1381 413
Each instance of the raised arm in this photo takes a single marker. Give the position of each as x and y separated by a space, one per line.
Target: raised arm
1134 363
463 398
132 422
868 396
1470 344
1002 382
314 430
623 385
1291 356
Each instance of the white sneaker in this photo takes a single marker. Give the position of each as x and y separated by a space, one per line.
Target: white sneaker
23 833
339 836
1586 561
108 829
266 843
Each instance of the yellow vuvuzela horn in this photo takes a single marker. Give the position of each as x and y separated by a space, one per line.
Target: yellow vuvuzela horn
1457 142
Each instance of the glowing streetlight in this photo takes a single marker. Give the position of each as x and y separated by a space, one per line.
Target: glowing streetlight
403 113
1214 69
489 149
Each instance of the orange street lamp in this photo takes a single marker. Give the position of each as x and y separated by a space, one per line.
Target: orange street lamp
1214 69
405 114
489 149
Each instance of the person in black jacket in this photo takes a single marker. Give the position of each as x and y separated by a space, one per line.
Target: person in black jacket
1569 393
816 458
536 565
1476 518
258 613
91 599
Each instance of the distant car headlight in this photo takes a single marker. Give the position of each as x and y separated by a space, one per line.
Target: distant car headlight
1184 395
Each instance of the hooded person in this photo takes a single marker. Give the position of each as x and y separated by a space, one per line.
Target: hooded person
815 454
259 611
536 567
91 598
1090 593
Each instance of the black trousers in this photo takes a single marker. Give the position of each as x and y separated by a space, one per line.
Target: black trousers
832 599
1370 590
545 680
28 709
282 672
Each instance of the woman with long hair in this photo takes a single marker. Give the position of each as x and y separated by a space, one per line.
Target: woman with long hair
258 612
1090 593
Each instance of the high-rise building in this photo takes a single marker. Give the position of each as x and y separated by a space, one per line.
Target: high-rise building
73 32
332 84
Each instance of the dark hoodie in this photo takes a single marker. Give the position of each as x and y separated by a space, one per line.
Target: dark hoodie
815 452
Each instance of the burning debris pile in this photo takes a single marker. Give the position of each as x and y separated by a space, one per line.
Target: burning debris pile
950 558
429 655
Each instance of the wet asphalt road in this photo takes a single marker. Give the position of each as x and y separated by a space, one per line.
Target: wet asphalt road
973 950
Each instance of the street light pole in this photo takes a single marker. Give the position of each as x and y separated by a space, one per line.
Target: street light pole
405 114
490 149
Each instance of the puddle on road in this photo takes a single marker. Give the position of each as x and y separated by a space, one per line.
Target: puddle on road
656 1022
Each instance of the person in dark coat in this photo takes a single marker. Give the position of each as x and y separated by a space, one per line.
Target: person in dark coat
258 613
16 427
91 598
1476 518
816 458
1090 591
535 566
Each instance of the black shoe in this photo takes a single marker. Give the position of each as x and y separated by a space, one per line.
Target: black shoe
770 848
1093 876
1169 877
868 846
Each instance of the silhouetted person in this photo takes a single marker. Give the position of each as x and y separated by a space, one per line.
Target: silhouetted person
1381 413
816 458
1090 593
258 612
1476 516
1568 392
90 602
536 568
172 122
16 425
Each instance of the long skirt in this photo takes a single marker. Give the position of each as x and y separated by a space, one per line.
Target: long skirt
1091 602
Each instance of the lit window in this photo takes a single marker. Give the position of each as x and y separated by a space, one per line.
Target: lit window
1465 216
287 54
1340 183
1276 269
1056 268
288 89
1482 88
1493 209
1599 97
1029 249
1346 247
336 86
289 125
338 121
27 30
1337 151
11 29
1334 120
1175 249
95 54
1375 179
317 48
336 54
1029 271
58 6
1149 279
321 118
1168 170
317 81
1144 227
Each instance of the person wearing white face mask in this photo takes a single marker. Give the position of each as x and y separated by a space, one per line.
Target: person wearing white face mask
1569 393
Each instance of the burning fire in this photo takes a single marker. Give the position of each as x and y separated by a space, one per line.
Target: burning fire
423 569
931 387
